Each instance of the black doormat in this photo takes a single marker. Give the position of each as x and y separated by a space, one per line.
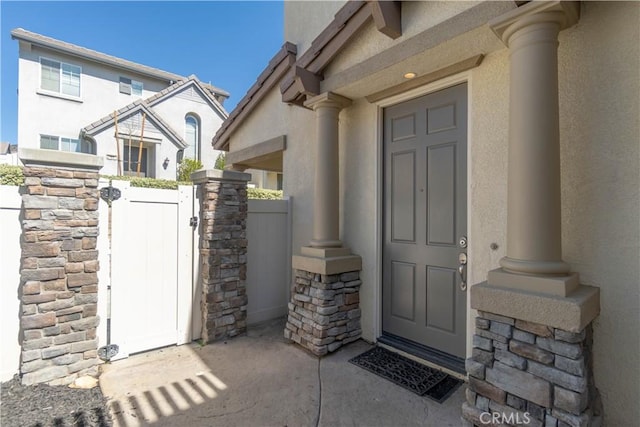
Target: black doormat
407 373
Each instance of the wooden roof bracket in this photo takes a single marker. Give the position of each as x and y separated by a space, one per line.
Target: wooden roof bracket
387 16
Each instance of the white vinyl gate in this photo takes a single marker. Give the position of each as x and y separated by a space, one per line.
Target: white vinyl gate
151 268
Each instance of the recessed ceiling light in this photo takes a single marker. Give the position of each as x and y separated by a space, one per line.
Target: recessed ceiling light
409 75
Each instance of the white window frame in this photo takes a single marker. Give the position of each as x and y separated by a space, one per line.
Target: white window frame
68 140
196 147
59 92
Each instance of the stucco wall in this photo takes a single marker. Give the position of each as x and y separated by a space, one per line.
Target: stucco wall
600 134
304 20
99 93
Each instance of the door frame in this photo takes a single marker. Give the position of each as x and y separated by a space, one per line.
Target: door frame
463 77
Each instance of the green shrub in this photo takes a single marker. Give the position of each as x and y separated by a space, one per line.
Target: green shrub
11 175
220 161
187 167
261 193
148 182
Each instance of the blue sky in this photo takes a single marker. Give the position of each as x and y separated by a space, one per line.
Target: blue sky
227 43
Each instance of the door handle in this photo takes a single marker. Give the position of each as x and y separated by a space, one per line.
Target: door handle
462 260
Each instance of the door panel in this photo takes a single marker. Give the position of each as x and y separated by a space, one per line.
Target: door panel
425 164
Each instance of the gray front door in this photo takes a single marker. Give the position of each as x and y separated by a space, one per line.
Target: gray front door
425 208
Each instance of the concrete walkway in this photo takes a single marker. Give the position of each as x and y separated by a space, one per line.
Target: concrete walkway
261 380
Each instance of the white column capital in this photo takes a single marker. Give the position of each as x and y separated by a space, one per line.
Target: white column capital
563 13
328 100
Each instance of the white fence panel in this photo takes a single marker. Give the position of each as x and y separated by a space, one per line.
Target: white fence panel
268 259
10 231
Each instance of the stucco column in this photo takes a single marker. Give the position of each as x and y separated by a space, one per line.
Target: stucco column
326 219
533 216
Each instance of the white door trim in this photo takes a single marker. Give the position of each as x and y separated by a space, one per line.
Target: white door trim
465 76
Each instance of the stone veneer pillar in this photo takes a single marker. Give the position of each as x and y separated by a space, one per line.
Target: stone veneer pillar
531 361
59 265
223 252
324 311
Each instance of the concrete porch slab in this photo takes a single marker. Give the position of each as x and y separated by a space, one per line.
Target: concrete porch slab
261 380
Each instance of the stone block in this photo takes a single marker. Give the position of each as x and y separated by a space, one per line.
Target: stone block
482 323
510 359
67 359
68 318
41 249
572 366
558 377
35 189
570 337
44 375
77 256
482 356
37 299
49 235
58 304
31 213
570 401
488 390
28 310
31 180
353 298
54 285
34 365
514 417
550 421
30 355
88 323
516 403
327 311
51 262
522 384
70 310
82 364
492 336
38 321
51 331
42 274
531 352
534 328
482 403
470 395
36 224
39 202
31 288
497 317
500 328
482 343
37 344
536 411
349 276
62 182
89 243
62 192
572 351
583 420
32 334
81 279
69 338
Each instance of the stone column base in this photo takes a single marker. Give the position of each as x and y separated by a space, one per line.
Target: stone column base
324 311
530 373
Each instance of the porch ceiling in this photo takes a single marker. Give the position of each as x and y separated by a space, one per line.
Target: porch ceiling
266 155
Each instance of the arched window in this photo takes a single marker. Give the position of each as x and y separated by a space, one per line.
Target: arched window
192 137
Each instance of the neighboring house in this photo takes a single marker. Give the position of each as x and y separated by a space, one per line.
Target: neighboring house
69 95
8 154
431 145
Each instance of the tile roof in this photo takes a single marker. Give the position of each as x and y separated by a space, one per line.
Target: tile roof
82 52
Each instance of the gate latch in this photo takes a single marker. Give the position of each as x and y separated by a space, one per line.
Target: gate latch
193 221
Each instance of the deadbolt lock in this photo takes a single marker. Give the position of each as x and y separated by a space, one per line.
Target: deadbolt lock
463 242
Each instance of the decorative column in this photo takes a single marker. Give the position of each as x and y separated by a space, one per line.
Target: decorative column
326 220
324 311
59 265
534 250
223 252
531 357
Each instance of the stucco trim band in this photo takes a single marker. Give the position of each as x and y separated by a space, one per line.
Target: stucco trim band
205 175
334 265
258 151
431 77
572 313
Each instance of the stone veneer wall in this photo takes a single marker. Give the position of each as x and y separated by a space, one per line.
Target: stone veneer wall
519 367
223 254
324 311
58 275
